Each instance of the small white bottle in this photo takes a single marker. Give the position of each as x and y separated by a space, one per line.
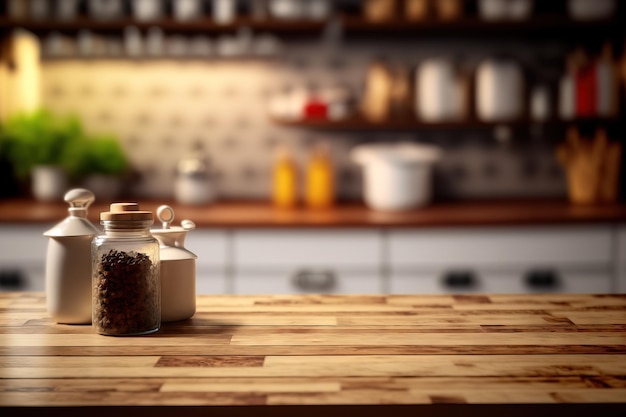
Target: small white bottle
68 262
606 83
567 91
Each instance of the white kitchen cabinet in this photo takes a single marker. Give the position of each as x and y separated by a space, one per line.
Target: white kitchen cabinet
302 260
421 260
22 257
529 246
501 260
212 268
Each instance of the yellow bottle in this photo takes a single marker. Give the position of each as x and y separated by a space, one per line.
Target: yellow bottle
285 180
320 181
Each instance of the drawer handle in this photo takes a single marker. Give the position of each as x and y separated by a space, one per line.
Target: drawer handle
320 281
542 279
12 280
460 279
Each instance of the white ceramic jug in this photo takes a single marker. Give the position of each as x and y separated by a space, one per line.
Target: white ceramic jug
68 262
178 268
499 90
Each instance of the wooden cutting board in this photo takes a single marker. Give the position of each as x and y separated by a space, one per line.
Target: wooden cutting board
410 353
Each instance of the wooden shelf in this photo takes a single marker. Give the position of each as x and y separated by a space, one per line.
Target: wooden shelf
554 25
170 25
358 124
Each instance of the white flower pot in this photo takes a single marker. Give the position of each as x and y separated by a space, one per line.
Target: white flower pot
49 182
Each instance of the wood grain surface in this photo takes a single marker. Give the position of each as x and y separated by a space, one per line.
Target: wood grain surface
326 350
260 214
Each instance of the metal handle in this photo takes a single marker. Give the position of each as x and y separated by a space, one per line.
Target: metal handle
319 281
542 279
460 279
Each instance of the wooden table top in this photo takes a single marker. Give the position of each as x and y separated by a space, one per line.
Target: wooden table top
290 351
259 214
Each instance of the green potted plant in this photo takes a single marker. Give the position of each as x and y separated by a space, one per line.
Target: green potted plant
100 163
36 145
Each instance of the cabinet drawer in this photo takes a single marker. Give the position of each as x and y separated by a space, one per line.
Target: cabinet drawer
353 249
298 281
210 281
23 243
512 246
506 281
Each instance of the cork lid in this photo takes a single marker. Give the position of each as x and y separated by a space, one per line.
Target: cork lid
126 212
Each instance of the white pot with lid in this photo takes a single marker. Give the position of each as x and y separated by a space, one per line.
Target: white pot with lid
68 262
178 268
396 176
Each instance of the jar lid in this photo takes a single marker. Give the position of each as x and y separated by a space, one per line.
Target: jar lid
126 212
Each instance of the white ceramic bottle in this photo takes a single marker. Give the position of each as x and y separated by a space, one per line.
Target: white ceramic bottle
178 268
68 262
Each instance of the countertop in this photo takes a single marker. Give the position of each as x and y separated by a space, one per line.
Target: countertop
259 214
327 354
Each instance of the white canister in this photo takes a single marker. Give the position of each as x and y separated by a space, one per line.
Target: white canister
68 262
591 9
499 91
178 268
224 11
439 96
185 10
540 104
396 177
145 10
286 9
105 9
193 183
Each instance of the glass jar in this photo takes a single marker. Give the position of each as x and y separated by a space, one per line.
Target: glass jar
126 298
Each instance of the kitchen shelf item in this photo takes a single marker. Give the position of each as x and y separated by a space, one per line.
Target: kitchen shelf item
499 90
590 9
320 181
398 176
178 267
591 167
68 262
126 277
284 179
438 91
193 183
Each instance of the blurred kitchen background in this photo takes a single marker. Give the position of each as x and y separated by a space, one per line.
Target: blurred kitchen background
229 100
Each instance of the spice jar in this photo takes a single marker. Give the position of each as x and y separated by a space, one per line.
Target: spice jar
125 267
178 268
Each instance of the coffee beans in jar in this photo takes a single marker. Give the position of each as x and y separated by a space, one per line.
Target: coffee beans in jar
125 273
124 287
